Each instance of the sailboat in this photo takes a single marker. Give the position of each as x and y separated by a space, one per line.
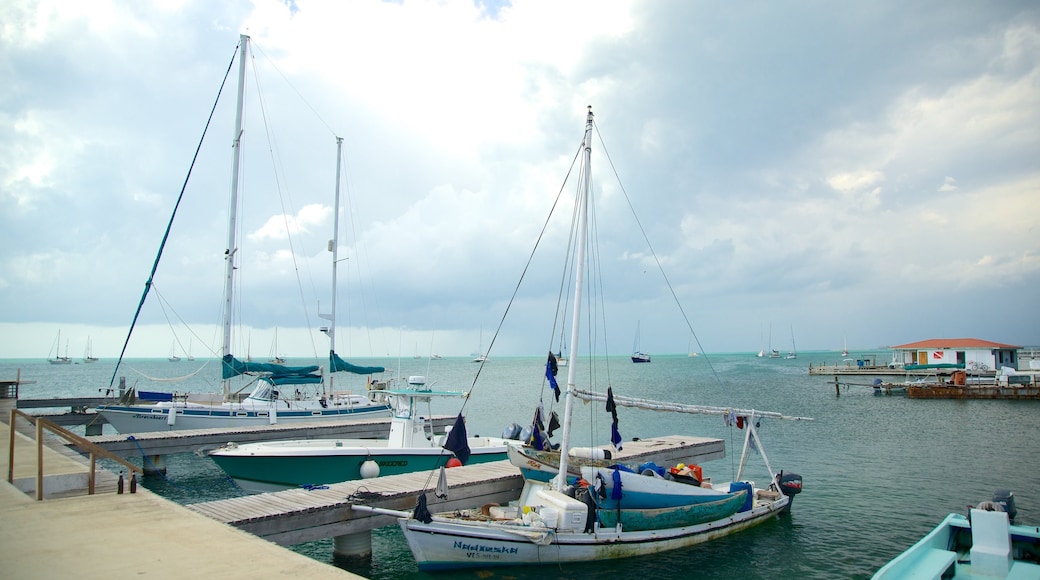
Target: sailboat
561 520
773 353
638 356
88 353
275 357
173 353
844 347
57 358
794 352
282 394
480 355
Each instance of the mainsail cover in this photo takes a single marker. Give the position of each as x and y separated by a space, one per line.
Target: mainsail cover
275 373
337 364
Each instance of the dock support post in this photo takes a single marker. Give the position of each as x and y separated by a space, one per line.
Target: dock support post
352 546
837 388
154 465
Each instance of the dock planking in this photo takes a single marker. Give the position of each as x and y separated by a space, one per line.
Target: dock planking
299 515
192 440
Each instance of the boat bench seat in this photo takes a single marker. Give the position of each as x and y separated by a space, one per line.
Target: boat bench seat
1023 571
931 565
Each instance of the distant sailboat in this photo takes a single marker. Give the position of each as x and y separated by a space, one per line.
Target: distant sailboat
58 359
794 351
639 356
88 353
173 353
275 357
761 350
773 353
191 357
480 356
844 347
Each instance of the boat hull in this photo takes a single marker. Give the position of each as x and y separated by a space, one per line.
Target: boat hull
672 517
289 464
144 418
945 552
449 545
649 492
544 465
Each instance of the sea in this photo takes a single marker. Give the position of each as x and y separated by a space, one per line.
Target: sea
878 471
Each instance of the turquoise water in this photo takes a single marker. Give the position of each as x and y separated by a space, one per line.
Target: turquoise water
878 471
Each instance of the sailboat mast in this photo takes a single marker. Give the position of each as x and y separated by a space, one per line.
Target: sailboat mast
579 280
232 249
335 247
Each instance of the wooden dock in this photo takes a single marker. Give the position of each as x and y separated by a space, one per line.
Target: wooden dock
155 443
297 515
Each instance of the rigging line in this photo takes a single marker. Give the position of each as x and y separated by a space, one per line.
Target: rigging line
163 301
530 258
283 198
169 225
257 48
657 260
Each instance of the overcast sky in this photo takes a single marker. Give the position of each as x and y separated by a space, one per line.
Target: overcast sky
866 171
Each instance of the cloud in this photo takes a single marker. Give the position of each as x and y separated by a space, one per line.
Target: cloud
834 167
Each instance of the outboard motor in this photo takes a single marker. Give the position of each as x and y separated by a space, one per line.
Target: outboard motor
790 484
512 431
1006 500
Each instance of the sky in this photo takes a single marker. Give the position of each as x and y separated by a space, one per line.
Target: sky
808 174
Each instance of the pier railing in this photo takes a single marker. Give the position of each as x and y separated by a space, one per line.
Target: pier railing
80 443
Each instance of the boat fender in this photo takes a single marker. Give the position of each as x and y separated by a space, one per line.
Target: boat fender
369 469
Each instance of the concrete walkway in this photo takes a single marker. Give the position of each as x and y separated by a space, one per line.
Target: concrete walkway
107 535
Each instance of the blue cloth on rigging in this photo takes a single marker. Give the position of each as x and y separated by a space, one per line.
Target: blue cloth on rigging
615 493
550 374
457 441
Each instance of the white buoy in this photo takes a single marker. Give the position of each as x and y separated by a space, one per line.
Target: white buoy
369 469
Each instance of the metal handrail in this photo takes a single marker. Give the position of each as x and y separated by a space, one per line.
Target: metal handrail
79 442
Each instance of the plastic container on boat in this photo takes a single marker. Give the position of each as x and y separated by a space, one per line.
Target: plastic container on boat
744 485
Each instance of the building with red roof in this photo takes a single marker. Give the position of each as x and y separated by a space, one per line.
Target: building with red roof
967 353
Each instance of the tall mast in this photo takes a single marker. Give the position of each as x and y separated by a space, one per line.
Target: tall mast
232 248
334 248
579 280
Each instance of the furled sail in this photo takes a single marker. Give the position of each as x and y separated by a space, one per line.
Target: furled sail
337 364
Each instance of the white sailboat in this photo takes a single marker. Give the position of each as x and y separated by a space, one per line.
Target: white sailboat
55 357
88 353
480 355
844 347
773 353
312 401
794 352
555 523
173 353
275 356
